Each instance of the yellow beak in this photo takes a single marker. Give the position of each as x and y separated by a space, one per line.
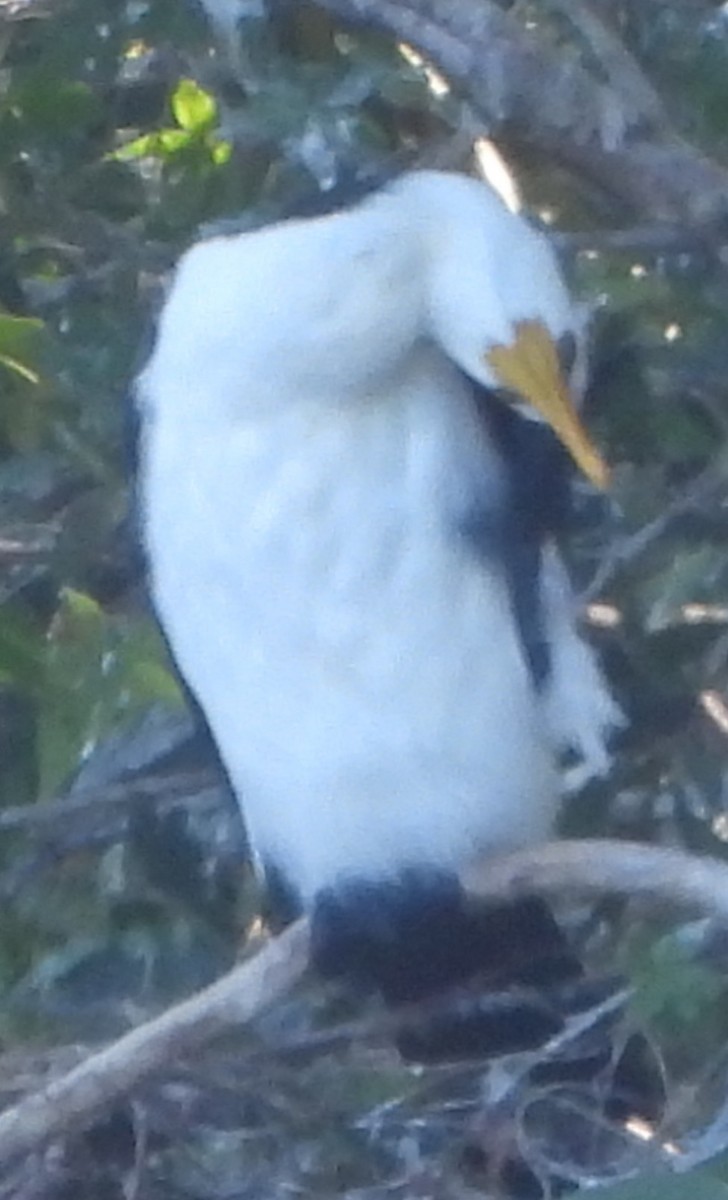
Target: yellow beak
529 366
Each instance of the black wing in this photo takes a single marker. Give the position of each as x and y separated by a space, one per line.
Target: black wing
536 506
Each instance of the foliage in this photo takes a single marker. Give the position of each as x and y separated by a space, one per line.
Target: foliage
125 129
698 1186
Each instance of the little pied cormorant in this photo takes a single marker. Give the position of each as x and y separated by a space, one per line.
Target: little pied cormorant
357 437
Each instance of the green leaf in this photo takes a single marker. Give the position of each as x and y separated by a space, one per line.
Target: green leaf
194 109
220 152
142 147
13 364
75 681
22 649
163 144
671 986
57 107
101 671
171 141
20 345
143 668
78 610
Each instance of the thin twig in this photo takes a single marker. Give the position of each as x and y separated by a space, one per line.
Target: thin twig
627 550
11 548
650 238
161 789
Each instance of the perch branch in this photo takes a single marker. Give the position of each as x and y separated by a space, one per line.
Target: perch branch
71 1101
593 866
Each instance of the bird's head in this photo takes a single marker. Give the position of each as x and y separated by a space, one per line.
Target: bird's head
497 304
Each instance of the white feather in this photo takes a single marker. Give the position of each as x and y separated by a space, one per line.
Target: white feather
308 450
579 709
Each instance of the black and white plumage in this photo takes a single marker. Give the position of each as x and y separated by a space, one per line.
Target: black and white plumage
350 491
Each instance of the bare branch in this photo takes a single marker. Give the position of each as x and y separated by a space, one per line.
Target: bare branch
163 790
21 10
506 70
670 877
619 66
673 878
71 1101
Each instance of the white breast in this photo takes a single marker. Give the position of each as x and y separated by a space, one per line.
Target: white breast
358 665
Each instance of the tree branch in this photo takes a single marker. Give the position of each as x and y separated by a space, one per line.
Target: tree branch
73 1100
517 83
670 877
622 70
163 790
593 866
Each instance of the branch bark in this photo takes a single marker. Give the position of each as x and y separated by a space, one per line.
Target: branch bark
671 877
518 84
73 1100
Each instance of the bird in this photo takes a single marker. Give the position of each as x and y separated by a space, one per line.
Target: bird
359 437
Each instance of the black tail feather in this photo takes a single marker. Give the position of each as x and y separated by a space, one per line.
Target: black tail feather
471 982
421 936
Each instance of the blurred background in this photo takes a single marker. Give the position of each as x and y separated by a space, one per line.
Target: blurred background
127 129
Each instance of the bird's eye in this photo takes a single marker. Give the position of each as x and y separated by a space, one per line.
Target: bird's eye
566 347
